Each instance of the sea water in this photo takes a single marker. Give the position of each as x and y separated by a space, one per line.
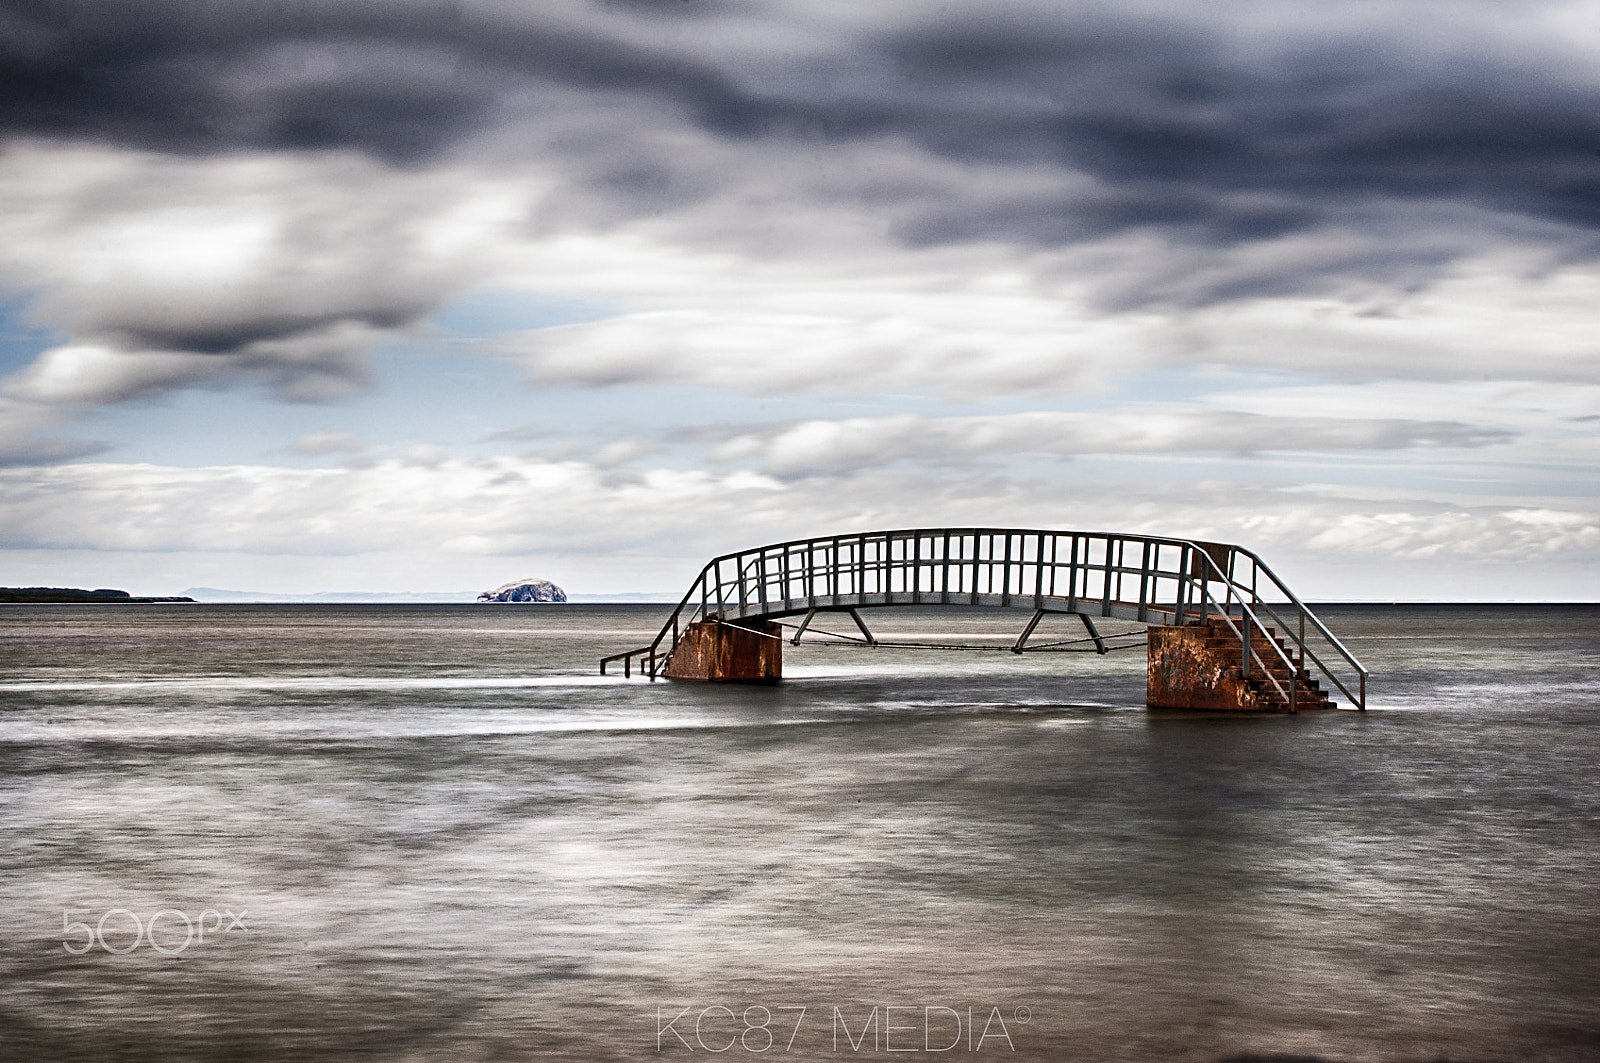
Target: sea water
436 833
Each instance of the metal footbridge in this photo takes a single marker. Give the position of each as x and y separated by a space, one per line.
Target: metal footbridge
1277 641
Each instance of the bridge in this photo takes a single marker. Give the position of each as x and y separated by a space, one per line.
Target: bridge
1224 632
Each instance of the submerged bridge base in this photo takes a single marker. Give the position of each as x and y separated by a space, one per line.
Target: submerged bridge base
744 651
1193 667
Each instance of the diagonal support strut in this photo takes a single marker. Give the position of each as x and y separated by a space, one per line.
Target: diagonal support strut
1022 639
1099 643
862 624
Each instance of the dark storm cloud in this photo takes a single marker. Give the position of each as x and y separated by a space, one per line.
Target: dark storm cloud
186 77
1170 119
399 80
1176 123
236 336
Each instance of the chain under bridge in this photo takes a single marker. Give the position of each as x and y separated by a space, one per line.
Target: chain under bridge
1224 631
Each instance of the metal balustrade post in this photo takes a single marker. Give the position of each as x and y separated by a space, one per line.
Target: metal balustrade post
1055 555
1038 571
861 570
944 572
886 569
761 580
1005 574
1184 583
1072 577
1144 582
917 570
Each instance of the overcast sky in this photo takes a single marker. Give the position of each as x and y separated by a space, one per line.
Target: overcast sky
393 295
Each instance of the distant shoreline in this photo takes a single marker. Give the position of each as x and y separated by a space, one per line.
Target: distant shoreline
78 596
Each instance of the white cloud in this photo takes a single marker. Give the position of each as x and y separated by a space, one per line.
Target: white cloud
833 446
968 345
1499 316
622 451
320 443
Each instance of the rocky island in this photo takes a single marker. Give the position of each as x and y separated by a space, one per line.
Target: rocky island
525 590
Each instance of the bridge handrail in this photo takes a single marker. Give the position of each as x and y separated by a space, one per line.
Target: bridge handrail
626 657
1322 628
1303 611
1258 602
1306 651
750 573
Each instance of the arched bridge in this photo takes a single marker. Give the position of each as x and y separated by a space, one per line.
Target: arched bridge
1226 632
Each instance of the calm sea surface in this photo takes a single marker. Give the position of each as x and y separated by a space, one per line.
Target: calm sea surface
434 833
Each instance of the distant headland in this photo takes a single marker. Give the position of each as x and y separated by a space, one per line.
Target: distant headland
61 595
525 590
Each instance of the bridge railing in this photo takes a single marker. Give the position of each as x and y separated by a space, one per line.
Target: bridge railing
1146 579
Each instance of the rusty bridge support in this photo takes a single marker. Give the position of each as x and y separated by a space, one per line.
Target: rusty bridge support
1198 667
747 651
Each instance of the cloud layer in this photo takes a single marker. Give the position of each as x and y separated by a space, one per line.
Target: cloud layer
842 265
294 183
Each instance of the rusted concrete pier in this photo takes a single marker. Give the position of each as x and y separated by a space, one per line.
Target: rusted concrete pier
750 651
1197 666
1225 633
